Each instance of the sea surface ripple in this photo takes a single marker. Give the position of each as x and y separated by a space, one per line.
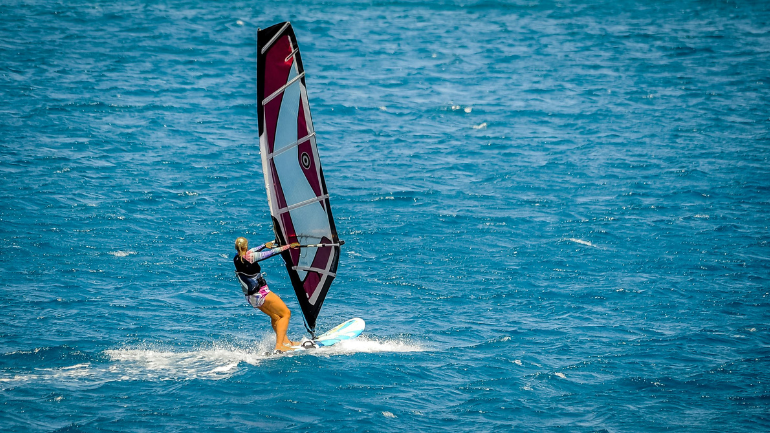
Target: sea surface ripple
555 212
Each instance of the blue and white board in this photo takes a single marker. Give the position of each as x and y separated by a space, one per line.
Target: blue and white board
344 331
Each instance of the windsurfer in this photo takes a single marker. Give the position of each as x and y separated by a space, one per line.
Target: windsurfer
256 290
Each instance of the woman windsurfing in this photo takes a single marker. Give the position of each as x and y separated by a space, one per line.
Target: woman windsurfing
255 287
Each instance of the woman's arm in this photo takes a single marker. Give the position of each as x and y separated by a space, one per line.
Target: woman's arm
257 254
265 245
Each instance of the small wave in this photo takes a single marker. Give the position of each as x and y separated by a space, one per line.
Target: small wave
581 242
73 372
122 253
460 107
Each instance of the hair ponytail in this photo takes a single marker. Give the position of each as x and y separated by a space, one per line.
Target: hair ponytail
241 244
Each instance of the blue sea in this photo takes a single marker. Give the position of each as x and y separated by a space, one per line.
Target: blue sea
555 213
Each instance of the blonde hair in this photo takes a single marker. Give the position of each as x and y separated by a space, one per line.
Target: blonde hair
241 244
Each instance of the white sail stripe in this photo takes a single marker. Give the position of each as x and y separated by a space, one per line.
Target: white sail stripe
302 203
295 144
306 109
279 91
266 172
274 38
313 299
311 269
291 55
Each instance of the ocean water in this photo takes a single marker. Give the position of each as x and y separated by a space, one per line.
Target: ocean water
555 215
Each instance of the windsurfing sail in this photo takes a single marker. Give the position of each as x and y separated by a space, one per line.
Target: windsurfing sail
296 190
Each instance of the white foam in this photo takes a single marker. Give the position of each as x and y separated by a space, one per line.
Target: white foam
214 362
368 345
206 363
122 253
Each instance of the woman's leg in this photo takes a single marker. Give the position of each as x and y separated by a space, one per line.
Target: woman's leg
279 318
286 340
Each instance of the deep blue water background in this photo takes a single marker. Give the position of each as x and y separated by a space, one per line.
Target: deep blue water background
555 215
